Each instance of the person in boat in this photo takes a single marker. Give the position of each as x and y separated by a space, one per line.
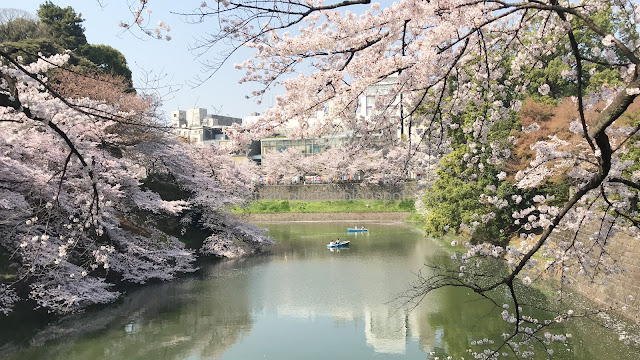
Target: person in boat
332 243
338 241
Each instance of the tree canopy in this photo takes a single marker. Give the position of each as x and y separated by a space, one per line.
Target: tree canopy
55 31
62 24
457 75
16 25
107 59
461 72
95 193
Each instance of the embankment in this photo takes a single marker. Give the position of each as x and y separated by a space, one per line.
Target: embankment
356 216
607 289
335 192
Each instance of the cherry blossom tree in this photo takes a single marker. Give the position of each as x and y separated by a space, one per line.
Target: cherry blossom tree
213 182
78 213
286 163
335 163
462 68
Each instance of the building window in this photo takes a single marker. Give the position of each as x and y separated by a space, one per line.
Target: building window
370 103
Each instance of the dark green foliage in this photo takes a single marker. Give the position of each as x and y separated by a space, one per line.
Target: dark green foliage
106 59
29 48
60 29
455 195
455 199
7 271
191 233
594 74
19 29
552 76
62 24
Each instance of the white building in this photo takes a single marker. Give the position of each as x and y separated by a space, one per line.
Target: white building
366 108
196 126
289 126
367 101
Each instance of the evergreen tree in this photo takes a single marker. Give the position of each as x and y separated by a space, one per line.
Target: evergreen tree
57 30
16 25
106 59
63 25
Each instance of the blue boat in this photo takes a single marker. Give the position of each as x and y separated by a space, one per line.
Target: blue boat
337 244
357 230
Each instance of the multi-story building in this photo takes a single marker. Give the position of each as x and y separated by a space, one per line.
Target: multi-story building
281 140
198 127
371 101
305 146
367 101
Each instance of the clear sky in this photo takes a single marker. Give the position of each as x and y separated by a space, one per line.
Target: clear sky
221 94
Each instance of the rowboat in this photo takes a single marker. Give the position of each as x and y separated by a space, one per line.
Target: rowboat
337 244
357 230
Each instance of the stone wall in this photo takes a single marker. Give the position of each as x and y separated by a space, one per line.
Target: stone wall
378 217
608 291
334 192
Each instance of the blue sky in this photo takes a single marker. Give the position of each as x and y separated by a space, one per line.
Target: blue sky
221 94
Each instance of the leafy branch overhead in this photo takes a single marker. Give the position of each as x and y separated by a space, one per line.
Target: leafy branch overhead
443 86
457 74
84 164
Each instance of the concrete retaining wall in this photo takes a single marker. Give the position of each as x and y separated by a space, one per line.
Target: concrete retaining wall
608 291
334 192
347 217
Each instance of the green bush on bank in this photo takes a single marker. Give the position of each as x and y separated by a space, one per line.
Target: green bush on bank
416 218
284 206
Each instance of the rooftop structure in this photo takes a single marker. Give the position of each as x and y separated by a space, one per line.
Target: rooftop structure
198 127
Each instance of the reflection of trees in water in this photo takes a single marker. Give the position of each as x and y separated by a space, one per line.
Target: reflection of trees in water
464 317
164 321
203 317
594 341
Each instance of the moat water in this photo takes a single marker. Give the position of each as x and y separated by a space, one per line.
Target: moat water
299 301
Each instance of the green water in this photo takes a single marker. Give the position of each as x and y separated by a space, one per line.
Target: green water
300 301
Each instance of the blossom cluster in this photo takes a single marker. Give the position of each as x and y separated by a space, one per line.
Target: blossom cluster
75 187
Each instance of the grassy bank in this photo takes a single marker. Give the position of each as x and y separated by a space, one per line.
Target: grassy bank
351 206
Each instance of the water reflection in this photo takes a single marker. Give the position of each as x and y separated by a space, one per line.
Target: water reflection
301 300
186 319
